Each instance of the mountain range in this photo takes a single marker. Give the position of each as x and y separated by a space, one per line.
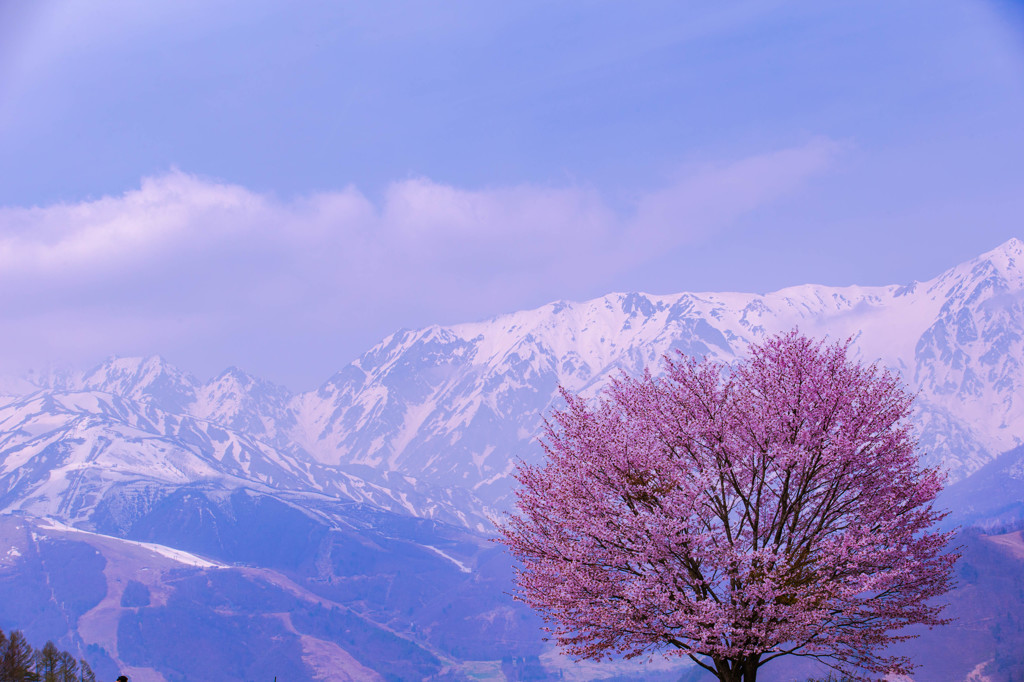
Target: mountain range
421 434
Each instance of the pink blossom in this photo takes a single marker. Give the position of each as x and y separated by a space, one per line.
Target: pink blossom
735 515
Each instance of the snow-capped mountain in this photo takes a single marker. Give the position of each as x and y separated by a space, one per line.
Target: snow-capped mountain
455 406
248 404
114 441
431 422
312 495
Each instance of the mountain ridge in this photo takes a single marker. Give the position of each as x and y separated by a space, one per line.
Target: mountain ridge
475 379
432 421
373 493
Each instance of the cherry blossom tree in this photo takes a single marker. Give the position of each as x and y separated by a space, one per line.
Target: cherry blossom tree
735 514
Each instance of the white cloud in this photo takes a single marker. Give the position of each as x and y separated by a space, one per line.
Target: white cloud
709 199
211 273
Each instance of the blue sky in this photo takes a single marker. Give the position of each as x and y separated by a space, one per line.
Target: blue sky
278 185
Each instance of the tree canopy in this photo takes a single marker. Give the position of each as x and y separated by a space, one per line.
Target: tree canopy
735 514
19 662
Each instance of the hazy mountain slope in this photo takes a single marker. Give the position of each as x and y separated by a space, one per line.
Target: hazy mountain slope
301 490
454 406
368 595
64 450
992 496
157 613
432 421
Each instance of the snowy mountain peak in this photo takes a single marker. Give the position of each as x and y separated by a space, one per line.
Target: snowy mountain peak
149 380
1000 268
434 419
1008 261
454 406
1010 250
234 378
244 403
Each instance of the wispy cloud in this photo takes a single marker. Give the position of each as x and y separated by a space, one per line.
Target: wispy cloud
212 273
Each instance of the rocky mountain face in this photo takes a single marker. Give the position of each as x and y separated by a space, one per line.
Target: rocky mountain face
364 505
431 422
127 437
454 407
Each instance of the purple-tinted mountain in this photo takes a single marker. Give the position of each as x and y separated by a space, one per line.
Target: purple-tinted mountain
454 407
372 495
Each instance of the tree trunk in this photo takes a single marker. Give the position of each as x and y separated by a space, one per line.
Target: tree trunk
751 664
737 670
